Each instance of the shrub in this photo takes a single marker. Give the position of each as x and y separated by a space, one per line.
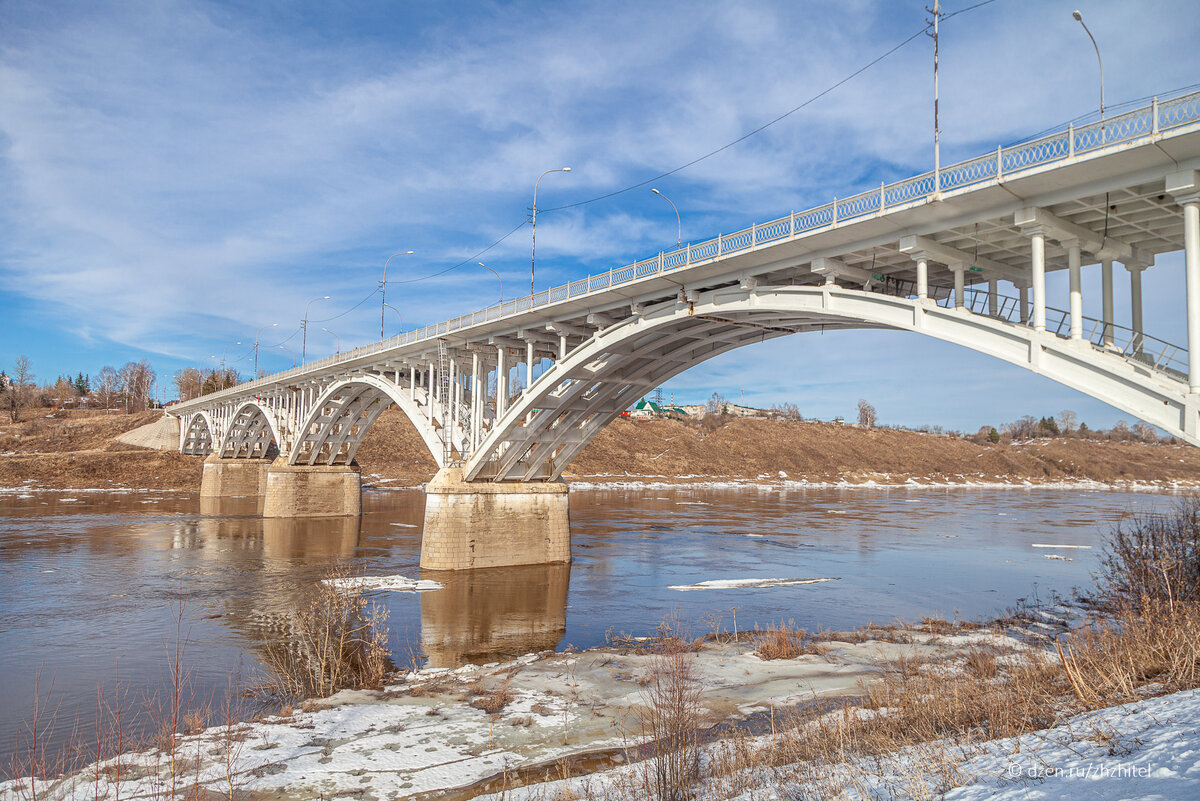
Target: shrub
338 641
1153 558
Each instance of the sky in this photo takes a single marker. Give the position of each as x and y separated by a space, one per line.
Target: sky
177 175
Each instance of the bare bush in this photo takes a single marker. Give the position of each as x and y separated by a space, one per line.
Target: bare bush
338 640
1155 557
670 718
783 641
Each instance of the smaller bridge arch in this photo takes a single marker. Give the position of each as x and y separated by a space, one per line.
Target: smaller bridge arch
251 432
197 434
341 417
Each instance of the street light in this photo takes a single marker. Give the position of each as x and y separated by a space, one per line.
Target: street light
533 252
227 347
383 289
289 351
398 314
256 336
678 222
498 278
335 336
1079 18
304 340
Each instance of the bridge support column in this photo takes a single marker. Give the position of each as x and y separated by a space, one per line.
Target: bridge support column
922 278
233 478
993 297
1074 259
959 286
1037 239
1106 300
1191 257
493 524
301 490
1023 295
1135 303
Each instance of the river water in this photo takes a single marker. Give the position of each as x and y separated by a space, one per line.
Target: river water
99 585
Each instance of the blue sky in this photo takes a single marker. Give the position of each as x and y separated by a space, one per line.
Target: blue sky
178 174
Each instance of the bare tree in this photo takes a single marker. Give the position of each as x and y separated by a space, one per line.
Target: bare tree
1067 421
1144 432
22 387
107 384
788 411
137 382
189 383
866 414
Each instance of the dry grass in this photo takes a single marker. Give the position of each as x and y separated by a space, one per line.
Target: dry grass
784 641
338 640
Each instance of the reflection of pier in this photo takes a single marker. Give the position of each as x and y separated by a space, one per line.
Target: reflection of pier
495 613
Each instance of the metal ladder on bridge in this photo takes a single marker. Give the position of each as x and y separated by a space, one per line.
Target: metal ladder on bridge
446 400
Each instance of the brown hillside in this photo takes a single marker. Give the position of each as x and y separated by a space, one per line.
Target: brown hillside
79 451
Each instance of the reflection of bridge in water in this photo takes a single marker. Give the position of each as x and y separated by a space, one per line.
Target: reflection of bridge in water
480 616
491 614
925 255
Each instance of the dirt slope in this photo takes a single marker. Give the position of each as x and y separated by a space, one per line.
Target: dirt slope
81 451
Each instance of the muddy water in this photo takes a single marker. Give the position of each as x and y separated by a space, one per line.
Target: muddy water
96 585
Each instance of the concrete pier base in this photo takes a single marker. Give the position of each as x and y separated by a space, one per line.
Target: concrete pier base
312 490
487 524
233 478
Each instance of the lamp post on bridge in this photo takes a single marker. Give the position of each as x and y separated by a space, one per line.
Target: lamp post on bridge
383 289
398 314
336 337
1079 18
304 339
256 336
289 351
498 278
678 221
227 347
533 251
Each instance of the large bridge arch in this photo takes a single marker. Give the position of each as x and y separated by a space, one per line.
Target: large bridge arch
344 413
253 429
544 429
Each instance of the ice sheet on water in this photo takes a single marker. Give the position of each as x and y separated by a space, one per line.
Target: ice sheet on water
750 583
391 583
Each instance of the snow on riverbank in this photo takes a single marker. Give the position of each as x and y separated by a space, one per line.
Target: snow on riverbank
430 730
1146 750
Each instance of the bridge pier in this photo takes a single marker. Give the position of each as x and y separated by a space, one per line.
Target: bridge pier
493 524
301 490
233 478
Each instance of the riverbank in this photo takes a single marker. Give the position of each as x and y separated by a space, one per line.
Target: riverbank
582 725
81 450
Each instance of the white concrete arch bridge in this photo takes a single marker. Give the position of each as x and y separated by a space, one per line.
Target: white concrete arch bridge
924 255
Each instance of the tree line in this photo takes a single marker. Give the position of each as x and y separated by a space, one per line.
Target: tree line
129 389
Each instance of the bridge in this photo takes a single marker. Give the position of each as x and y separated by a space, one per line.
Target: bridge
505 397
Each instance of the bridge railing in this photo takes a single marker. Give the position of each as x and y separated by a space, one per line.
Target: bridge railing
1161 115
1158 354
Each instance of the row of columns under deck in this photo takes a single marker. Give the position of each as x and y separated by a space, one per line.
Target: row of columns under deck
1185 187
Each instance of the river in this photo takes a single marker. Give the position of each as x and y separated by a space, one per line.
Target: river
100 585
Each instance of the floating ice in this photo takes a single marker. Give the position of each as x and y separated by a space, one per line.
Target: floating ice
404 525
393 583
1061 547
752 583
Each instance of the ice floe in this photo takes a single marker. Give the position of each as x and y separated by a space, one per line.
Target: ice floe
750 583
390 583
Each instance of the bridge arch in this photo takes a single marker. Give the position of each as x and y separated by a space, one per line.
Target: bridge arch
344 413
252 430
575 398
198 434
